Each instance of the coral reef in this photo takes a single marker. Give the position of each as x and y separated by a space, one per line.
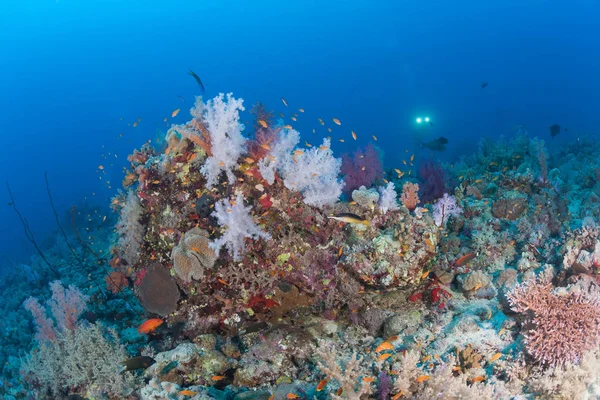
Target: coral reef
228 272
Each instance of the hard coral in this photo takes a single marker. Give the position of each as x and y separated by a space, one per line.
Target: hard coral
365 198
564 326
192 256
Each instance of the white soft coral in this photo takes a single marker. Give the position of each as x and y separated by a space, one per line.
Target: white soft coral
387 198
313 172
236 218
222 120
280 154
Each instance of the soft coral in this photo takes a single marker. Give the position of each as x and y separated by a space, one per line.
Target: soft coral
362 169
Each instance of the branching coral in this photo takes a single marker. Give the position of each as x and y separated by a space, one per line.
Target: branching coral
564 326
348 377
83 358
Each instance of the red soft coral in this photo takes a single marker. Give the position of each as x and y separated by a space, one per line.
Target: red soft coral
362 169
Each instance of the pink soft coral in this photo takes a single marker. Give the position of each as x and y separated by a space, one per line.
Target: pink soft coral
410 195
362 169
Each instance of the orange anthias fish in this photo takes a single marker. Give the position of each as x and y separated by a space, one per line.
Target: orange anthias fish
188 393
150 325
217 378
292 396
464 259
337 121
322 385
384 346
174 113
263 123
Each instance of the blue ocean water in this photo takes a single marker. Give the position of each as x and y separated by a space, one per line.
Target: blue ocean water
84 83
70 70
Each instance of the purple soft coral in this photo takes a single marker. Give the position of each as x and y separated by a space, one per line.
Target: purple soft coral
432 184
362 169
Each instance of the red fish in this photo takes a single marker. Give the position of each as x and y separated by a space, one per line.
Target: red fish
464 259
150 325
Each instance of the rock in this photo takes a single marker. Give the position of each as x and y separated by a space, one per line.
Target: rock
188 356
156 390
206 341
298 388
373 319
404 324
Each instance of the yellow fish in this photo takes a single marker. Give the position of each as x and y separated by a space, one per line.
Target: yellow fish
350 218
